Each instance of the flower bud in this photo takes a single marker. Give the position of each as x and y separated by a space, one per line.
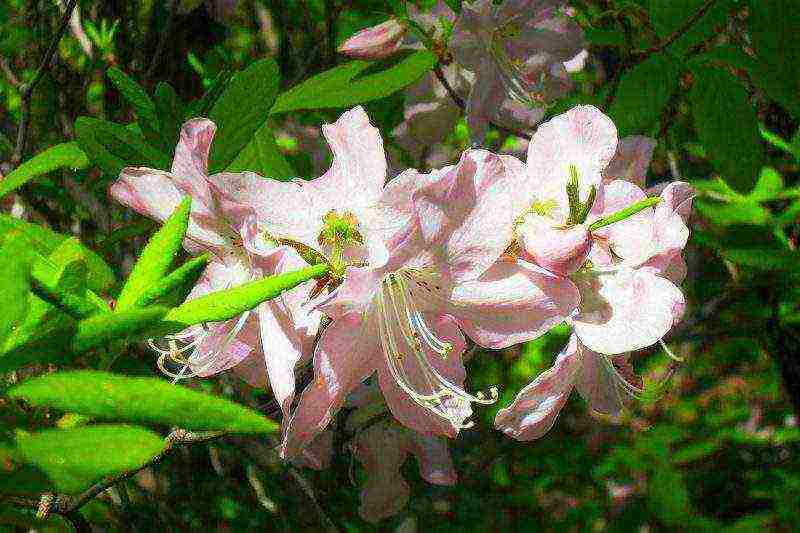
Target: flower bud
559 250
375 42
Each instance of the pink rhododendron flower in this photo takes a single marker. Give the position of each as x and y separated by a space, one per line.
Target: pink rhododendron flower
402 318
375 42
517 52
627 301
265 341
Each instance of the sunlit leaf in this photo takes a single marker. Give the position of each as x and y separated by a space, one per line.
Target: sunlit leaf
76 458
152 400
157 256
66 155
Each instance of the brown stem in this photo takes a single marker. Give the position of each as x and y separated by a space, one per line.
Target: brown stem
674 36
27 89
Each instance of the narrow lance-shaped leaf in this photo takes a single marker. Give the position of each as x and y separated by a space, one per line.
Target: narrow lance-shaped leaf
157 257
76 458
174 288
140 100
13 287
107 396
124 325
230 303
66 155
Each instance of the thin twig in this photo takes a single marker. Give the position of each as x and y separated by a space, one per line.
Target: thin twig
460 103
308 490
674 36
27 89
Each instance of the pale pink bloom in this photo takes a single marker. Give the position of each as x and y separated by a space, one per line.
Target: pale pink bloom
375 42
627 301
606 383
267 341
382 449
403 318
517 52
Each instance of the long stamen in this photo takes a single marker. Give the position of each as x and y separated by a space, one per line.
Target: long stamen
400 316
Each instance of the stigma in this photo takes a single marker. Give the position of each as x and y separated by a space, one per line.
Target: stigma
408 343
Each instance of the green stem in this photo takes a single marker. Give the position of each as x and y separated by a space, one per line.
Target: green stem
622 214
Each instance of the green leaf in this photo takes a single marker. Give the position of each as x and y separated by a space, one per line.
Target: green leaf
157 256
230 303
768 187
727 126
261 155
76 458
642 94
771 259
112 146
778 142
350 84
775 30
40 337
603 37
66 155
174 288
65 287
108 327
107 396
14 286
44 240
99 276
241 110
142 103
170 111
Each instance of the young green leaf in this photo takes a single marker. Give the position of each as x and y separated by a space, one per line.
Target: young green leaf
99 276
241 110
64 287
349 84
173 289
76 458
768 187
65 155
157 257
230 303
105 396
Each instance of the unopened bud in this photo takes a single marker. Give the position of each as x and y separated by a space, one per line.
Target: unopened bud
376 42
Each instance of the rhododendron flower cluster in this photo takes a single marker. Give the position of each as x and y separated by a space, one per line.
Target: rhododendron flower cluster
490 250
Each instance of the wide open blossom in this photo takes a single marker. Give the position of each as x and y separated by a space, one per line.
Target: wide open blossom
627 299
264 342
402 318
517 52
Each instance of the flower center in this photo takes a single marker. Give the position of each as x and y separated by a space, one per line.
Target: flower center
340 230
407 341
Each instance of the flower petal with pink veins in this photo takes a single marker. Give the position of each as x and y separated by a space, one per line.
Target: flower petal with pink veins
632 238
533 412
385 492
582 137
435 463
631 161
512 303
626 309
346 355
559 250
599 385
670 216
190 164
466 212
403 408
356 178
